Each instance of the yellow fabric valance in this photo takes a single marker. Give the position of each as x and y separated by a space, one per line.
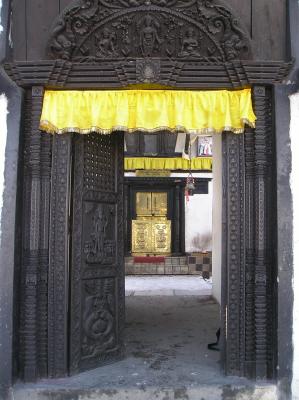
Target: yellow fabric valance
176 163
199 112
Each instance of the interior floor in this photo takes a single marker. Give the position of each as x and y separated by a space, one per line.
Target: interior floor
166 349
168 286
167 339
166 343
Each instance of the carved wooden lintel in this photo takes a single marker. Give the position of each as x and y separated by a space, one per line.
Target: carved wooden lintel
169 72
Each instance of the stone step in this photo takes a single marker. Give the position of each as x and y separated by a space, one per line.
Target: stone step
204 392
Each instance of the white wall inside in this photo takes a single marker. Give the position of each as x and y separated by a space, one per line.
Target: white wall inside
1 27
3 136
198 222
217 216
294 129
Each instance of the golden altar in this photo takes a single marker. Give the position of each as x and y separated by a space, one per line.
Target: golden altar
151 231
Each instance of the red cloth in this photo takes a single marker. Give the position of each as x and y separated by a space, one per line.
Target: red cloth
148 259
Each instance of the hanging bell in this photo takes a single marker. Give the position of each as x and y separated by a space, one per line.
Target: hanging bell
190 185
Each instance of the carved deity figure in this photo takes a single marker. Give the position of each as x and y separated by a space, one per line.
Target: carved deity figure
149 36
95 248
100 225
232 46
105 44
63 42
190 44
90 8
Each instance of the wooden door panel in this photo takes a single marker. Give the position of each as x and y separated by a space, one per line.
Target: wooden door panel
97 268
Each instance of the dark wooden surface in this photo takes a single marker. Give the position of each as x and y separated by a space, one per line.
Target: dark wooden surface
269 29
63 4
39 18
242 10
264 20
19 30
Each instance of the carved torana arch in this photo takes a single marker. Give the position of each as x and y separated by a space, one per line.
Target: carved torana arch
94 30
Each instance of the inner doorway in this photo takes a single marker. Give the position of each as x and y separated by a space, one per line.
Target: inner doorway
168 194
171 315
97 313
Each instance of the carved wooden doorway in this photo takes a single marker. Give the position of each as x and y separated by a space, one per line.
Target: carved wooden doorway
101 45
62 241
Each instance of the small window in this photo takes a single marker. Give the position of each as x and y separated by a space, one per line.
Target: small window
151 144
160 144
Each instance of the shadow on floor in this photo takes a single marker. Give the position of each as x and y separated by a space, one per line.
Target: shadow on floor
166 358
167 337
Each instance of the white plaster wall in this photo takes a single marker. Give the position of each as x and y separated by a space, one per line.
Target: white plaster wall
294 133
217 216
198 216
3 135
198 222
1 27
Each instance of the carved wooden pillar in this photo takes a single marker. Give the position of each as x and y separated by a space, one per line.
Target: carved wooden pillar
233 252
34 282
249 247
264 203
45 161
249 361
59 255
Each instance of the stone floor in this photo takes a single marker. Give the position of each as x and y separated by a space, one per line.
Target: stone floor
166 359
188 285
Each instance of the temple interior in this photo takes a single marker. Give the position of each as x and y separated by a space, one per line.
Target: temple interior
170 214
168 204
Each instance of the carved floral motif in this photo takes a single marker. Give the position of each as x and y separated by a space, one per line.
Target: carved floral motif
98 317
89 31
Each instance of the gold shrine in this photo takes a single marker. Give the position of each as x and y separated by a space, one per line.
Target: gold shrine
151 231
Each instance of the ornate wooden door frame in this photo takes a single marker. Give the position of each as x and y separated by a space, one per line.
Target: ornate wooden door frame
249 265
249 285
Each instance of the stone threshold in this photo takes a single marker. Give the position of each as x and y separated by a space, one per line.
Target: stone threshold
229 391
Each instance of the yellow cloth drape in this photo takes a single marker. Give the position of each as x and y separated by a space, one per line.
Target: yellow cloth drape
200 112
148 163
